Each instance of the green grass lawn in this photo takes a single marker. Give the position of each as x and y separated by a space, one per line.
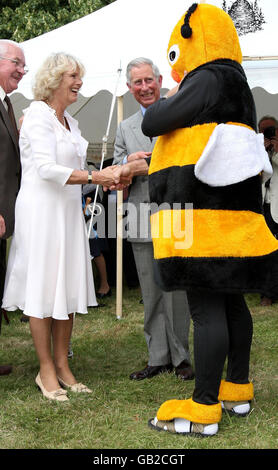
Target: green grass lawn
115 415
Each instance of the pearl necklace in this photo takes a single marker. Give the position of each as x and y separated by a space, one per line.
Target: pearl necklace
55 112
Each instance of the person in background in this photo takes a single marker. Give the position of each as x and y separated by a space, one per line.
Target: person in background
98 245
49 274
12 70
268 125
166 314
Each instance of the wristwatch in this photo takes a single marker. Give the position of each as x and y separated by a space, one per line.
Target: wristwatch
90 177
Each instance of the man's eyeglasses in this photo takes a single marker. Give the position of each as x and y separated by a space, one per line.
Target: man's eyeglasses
17 63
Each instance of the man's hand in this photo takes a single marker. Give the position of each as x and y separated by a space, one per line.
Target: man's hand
136 155
123 175
2 226
112 178
105 177
122 178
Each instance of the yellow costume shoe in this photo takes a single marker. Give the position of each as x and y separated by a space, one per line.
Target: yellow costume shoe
187 417
236 398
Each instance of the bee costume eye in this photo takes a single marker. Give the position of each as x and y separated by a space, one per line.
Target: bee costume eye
174 54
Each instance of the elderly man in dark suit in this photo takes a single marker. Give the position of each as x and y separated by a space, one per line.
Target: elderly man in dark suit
167 319
12 69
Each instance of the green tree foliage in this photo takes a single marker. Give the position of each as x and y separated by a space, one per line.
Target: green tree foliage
22 20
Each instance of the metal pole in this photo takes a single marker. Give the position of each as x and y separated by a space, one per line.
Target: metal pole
104 152
119 273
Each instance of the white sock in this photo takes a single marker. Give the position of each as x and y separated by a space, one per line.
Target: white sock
183 425
242 409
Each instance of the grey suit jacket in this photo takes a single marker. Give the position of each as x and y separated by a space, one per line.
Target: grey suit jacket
10 170
130 139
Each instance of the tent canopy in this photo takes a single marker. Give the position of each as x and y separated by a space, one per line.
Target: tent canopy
114 35
106 40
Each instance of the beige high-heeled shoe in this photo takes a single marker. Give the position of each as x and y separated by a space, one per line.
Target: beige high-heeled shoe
78 387
58 395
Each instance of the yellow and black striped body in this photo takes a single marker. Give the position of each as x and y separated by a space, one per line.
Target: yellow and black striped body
203 236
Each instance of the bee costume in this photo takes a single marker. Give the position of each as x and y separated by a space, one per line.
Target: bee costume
209 233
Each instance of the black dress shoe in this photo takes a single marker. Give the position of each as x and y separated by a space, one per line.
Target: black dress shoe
150 371
99 295
184 371
5 370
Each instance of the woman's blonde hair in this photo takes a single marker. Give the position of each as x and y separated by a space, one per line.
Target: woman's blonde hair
50 74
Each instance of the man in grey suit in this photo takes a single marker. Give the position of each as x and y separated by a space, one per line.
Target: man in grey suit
12 69
166 326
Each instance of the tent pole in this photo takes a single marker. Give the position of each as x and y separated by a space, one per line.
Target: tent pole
119 274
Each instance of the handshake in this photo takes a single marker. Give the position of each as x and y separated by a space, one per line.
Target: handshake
118 177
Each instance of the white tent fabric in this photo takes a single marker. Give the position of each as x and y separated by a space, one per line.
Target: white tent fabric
115 34
109 38
263 74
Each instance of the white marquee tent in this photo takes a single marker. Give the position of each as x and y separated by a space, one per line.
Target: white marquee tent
106 40
109 38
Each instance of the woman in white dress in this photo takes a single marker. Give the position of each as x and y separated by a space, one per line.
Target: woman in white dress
49 274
